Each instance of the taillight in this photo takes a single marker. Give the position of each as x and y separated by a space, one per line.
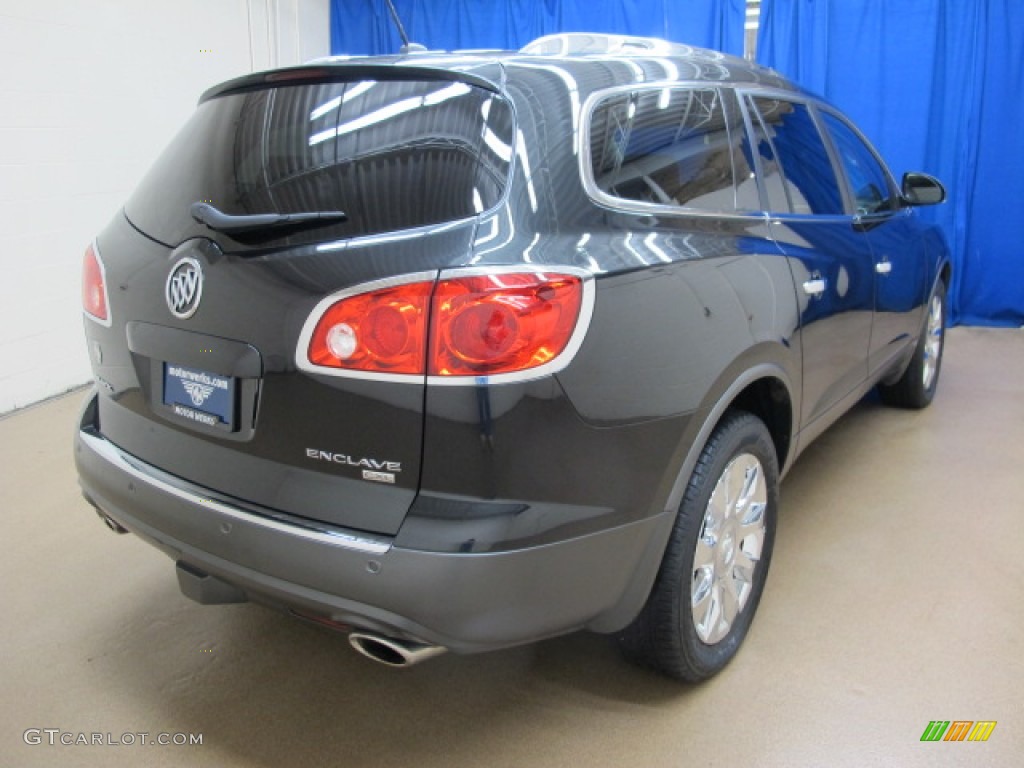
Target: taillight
500 323
94 287
379 331
490 324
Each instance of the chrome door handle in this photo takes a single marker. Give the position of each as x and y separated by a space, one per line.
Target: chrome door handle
814 287
883 267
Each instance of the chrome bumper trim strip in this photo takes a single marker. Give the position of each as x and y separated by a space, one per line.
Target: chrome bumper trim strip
109 452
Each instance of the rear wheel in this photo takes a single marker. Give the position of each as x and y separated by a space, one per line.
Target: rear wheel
916 388
714 569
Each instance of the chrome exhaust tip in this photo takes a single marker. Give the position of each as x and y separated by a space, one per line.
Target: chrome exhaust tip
111 523
392 652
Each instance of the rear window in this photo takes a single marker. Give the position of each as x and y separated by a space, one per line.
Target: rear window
390 154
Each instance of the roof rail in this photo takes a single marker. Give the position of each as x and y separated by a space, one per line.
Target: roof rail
582 43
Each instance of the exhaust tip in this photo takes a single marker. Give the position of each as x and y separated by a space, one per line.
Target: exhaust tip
392 652
378 649
111 523
108 521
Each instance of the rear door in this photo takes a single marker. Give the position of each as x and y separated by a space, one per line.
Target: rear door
200 360
830 258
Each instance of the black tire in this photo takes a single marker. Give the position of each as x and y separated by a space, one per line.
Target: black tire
916 387
665 636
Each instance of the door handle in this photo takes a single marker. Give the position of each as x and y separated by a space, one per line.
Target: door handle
883 267
814 287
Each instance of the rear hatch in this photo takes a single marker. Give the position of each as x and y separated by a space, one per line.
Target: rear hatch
198 367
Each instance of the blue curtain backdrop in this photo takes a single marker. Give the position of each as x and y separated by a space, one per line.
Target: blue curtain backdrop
937 85
365 27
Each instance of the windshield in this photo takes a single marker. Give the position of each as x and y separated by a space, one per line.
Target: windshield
390 154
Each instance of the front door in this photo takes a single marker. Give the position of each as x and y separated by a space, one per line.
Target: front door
898 250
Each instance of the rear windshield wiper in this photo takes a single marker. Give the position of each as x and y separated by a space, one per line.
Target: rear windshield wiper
228 223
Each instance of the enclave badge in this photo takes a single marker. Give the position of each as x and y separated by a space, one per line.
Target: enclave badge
184 288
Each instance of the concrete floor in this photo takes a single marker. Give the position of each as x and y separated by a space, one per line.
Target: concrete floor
896 597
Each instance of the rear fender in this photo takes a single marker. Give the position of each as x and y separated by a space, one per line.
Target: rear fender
700 428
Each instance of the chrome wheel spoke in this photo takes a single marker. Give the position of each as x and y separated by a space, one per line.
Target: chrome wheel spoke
705 555
730 607
703 581
736 481
751 485
742 583
716 512
717 509
706 612
743 578
751 541
748 558
754 517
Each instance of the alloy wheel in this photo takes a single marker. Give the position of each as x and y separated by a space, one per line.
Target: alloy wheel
932 342
728 548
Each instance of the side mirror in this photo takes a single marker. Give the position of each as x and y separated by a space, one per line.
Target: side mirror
922 189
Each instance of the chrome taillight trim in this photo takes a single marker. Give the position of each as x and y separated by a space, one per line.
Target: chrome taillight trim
553 366
106 294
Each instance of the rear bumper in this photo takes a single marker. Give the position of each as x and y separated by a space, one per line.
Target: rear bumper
466 602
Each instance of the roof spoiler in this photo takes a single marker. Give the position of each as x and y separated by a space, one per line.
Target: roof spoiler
352 70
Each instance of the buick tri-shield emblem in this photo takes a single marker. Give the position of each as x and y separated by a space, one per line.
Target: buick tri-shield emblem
184 288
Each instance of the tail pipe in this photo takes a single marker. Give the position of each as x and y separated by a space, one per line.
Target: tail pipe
108 521
111 523
392 652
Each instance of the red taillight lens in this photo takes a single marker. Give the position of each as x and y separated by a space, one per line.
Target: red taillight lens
502 323
383 331
94 287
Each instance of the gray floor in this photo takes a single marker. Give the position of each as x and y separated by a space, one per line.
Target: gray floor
896 597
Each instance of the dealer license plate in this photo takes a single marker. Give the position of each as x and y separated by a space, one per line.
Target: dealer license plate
200 396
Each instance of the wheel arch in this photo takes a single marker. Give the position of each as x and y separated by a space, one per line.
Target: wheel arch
764 389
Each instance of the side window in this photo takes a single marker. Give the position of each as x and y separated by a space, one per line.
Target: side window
868 181
811 182
668 146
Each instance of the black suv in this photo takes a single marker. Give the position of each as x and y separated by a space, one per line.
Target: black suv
461 351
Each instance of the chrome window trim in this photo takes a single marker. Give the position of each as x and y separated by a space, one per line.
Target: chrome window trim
585 165
586 169
553 366
145 473
106 294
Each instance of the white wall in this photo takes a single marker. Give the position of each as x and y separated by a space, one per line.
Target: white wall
90 92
